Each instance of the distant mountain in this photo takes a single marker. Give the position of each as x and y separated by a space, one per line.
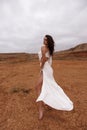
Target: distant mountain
78 52
80 47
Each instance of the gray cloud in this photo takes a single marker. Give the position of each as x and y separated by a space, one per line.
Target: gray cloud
23 23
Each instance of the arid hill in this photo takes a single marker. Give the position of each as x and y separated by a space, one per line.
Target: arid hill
78 52
79 47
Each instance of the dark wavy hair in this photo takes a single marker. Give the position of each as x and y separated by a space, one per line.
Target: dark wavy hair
50 45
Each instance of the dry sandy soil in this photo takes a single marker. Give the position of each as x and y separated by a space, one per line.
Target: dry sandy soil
18 109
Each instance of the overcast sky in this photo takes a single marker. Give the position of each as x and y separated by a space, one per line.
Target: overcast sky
23 24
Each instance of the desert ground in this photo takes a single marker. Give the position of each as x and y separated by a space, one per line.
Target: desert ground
18 107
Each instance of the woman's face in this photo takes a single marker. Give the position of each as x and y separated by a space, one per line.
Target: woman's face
45 41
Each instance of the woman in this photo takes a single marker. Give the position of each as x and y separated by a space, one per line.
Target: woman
49 92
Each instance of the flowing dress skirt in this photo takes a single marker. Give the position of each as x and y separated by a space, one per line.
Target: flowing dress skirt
51 93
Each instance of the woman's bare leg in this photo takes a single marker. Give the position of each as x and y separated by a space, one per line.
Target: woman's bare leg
41 109
38 89
39 84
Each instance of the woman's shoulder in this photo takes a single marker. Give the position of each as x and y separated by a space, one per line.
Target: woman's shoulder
43 48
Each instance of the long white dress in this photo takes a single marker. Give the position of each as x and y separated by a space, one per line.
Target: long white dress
51 93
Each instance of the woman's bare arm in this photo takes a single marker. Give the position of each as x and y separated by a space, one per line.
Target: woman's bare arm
43 58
